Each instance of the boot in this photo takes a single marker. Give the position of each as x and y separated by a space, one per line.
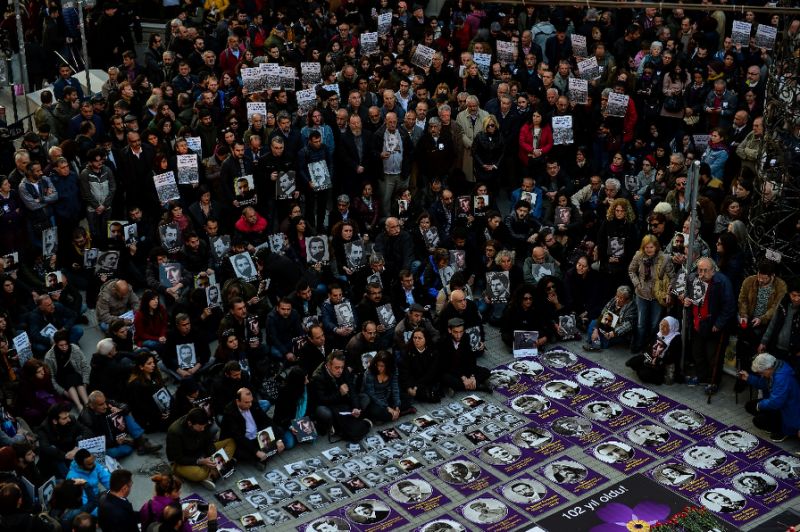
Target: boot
669 374
145 446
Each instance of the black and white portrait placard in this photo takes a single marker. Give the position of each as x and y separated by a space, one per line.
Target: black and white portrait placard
499 286
317 249
243 266
170 236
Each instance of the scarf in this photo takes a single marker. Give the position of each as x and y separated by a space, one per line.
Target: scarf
648 265
674 330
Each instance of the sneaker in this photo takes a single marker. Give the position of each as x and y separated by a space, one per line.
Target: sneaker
591 347
208 484
691 381
711 389
777 437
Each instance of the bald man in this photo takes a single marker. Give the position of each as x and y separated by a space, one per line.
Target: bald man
115 299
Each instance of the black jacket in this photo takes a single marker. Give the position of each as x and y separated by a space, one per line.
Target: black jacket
419 369
324 390
115 513
109 375
234 426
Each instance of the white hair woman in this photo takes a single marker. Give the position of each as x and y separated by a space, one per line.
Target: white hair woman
778 412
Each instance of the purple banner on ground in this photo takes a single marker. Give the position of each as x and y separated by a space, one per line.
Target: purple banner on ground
681 478
620 455
762 488
533 496
465 475
371 514
416 495
443 523
744 445
783 466
634 503
571 475
505 456
540 442
711 460
537 407
690 423
508 382
645 401
655 438
578 430
559 359
566 392
491 514
730 505
197 509
601 380
609 414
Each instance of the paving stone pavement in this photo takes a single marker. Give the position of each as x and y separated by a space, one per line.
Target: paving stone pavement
723 408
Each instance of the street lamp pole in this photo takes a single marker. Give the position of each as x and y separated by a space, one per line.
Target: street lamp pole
84 50
23 60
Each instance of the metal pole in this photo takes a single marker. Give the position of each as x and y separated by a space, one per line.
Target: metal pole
692 187
10 80
84 49
23 60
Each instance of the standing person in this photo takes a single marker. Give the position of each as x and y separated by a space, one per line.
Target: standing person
758 302
313 161
395 150
616 241
167 491
488 153
779 410
98 186
115 511
711 320
470 122
69 369
651 272
782 337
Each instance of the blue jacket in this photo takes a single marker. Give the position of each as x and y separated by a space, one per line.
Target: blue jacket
721 304
782 394
536 208
99 475
716 157
69 206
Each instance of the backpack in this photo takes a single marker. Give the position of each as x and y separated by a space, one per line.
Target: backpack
661 285
541 31
351 429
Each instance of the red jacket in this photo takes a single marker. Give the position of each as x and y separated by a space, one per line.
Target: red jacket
243 226
151 329
228 61
526 141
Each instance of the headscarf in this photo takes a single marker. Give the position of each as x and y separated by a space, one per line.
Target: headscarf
674 330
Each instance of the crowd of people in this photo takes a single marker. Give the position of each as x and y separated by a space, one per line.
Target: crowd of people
332 246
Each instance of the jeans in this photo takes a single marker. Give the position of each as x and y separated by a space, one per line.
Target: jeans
604 342
134 431
390 184
649 317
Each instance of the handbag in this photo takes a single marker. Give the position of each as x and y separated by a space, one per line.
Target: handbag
673 104
661 287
